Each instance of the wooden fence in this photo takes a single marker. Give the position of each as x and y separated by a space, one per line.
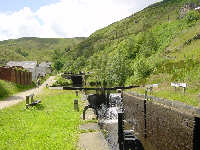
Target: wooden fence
17 76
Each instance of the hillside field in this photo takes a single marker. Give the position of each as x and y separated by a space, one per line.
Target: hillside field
159 44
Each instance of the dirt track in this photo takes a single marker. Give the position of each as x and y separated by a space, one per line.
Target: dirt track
12 100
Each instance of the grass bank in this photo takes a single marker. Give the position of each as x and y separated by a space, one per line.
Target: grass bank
164 90
9 88
52 125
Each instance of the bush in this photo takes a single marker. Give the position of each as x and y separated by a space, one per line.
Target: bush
192 16
142 68
58 65
62 82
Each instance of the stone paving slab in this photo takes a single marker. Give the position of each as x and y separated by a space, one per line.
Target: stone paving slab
92 141
89 126
56 88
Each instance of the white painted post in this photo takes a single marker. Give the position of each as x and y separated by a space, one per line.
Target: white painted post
183 85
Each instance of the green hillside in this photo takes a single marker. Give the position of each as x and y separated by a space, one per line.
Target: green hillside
159 44
31 48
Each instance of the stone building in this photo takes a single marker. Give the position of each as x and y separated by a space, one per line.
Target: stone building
186 8
44 68
28 65
36 69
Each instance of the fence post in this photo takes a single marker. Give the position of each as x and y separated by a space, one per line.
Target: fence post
30 78
145 114
184 89
120 131
196 134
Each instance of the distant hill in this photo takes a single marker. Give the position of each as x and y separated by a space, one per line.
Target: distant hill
32 48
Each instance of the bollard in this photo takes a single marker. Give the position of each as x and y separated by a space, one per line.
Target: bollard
184 89
76 93
76 108
120 131
27 101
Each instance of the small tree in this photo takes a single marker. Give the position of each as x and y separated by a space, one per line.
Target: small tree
58 65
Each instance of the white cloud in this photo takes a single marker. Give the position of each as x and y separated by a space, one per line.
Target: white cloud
67 18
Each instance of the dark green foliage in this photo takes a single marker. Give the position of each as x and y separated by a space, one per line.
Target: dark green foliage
21 52
192 16
58 64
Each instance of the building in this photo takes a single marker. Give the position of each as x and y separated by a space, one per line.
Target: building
44 68
28 65
186 8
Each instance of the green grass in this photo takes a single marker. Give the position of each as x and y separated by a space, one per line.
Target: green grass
167 92
9 88
52 125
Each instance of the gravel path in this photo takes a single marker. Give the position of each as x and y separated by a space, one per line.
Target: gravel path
15 99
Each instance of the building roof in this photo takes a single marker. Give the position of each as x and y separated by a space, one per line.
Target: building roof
24 64
45 64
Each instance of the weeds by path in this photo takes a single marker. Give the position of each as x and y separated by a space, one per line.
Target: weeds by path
9 88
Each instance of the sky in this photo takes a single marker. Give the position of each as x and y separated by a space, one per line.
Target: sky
62 18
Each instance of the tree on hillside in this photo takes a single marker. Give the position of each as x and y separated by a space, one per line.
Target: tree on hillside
58 59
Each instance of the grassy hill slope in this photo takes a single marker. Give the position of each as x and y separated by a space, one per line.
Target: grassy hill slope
156 45
31 48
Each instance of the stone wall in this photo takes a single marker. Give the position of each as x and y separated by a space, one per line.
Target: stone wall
170 125
12 75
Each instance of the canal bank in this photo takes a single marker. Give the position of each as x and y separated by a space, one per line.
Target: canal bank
91 137
108 122
166 124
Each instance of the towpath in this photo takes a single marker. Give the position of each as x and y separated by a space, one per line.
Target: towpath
15 99
91 138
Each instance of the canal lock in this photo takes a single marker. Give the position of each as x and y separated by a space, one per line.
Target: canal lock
110 113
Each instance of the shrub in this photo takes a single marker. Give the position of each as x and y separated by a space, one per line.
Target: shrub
62 82
192 16
142 68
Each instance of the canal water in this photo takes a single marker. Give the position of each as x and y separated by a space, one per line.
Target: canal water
108 121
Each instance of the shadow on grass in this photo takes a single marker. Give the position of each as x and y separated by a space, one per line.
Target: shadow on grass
36 107
39 107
